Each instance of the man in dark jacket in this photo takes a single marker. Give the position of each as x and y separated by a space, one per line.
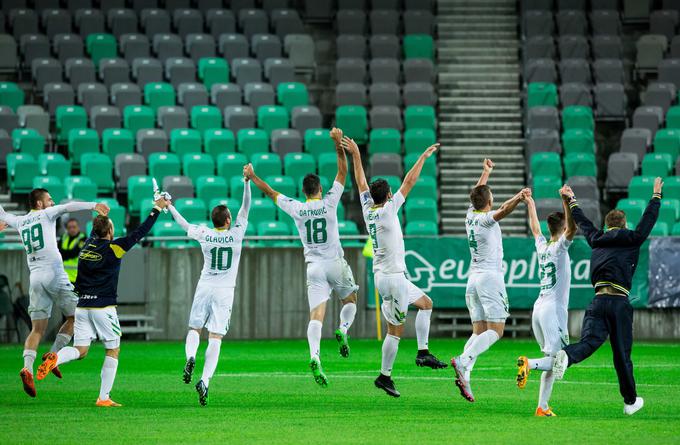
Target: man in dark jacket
612 266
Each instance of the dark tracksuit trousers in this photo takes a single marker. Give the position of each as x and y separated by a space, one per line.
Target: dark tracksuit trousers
609 315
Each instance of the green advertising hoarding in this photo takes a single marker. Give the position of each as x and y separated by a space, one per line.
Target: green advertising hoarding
440 267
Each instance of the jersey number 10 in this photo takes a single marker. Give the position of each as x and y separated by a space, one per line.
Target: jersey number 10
217 262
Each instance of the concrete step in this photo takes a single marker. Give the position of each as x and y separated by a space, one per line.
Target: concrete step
480 109
452 143
476 90
490 86
487 118
447 44
448 62
477 101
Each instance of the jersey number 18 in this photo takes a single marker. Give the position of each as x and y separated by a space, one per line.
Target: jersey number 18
316 231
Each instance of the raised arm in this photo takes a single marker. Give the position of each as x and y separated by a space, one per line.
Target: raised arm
651 214
534 224
413 174
7 219
359 176
179 218
75 206
488 167
127 242
245 203
266 189
510 205
570 231
341 176
587 228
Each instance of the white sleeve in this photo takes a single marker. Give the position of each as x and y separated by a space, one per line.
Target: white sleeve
563 243
334 194
179 218
195 231
11 220
242 216
288 205
394 204
540 243
55 212
366 201
487 219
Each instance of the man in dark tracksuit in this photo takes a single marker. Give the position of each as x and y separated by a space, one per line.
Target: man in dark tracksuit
612 265
97 289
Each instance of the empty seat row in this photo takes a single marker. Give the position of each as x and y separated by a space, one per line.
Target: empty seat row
572 47
387 46
576 70
384 70
382 21
571 22
385 94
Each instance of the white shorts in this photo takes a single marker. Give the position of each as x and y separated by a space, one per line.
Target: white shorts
97 322
486 298
211 308
324 277
49 287
397 294
549 322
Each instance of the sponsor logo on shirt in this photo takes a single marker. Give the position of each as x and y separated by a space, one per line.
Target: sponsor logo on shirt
88 255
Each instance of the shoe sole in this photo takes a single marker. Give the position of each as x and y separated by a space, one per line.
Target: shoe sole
422 364
47 365
55 370
188 371
389 391
459 375
522 372
29 388
202 398
344 347
319 376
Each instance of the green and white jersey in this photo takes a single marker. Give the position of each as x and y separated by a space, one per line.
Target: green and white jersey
385 230
38 233
485 241
554 270
317 224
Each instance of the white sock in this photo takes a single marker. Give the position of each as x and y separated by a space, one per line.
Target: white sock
191 345
479 345
347 314
423 327
108 376
212 355
67 354
547 380
389 353
29 358
60 341
541 364
472 362
314 338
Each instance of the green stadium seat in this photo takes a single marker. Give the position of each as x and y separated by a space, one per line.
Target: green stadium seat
54 164
416 140
250 141
185 141
101 46
546 164
348 228
218 140
205 118
657 164
139 189
393 181
116 141
325 186
271 118
673 117
162 165
544 228
273 228
159 94
328 167
99 168
659 229
168 228
418 46
580 164
667 140
341 211
425 187
292 94
354 122
542 94
633 208
641 187
236 189
421 228
212 70
138 117
429 168
81 141
578 140
421 209
384 140
262 209
80 187
196 165
29 141
230 165
671 187
68 117
676 229
298 165
146 207
53 184
282 184
21 169
317 141
670 211
577 116
546 187
266 164
192 209
11 95
420 116
116 215
211 187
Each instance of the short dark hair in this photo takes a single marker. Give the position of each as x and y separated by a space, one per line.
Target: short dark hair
70 220
35 196
219 215
101 226
615 218
311 184
380 189
480 196
555 222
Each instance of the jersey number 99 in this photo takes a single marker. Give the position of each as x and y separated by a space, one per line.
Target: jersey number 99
32 237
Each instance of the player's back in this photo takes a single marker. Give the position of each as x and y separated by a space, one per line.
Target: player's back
485 241
384 228
554 269
98 270
37 230
221 253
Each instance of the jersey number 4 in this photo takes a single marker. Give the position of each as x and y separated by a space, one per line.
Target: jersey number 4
218 261
316 231
32 237
472 241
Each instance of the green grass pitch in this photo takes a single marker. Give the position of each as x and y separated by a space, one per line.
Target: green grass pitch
263 392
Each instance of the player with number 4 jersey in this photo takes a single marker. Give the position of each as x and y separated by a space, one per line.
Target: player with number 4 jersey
214 296
327 271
